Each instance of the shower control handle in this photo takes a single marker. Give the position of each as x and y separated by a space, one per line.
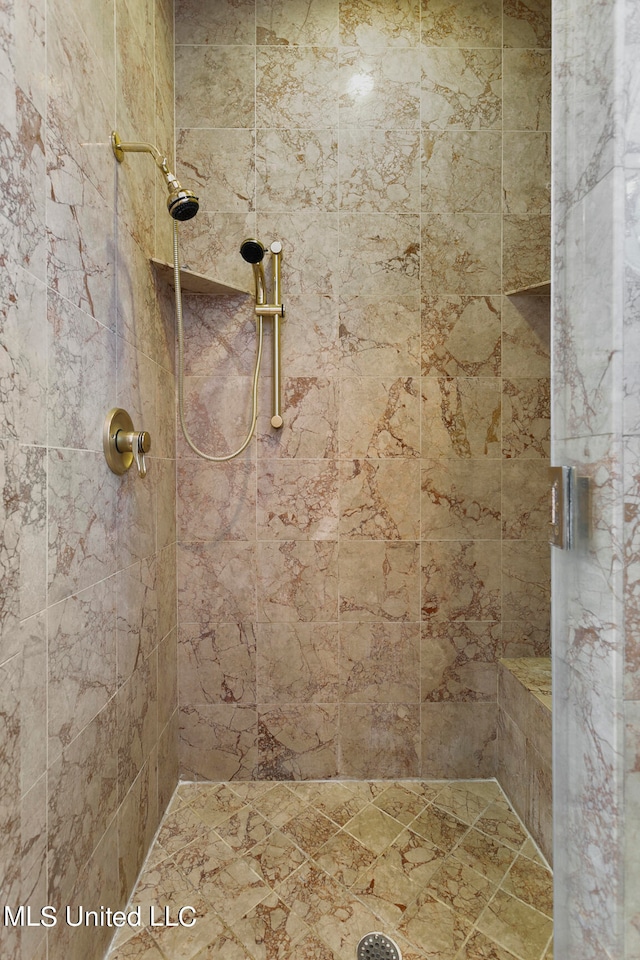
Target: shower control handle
137 443
123 445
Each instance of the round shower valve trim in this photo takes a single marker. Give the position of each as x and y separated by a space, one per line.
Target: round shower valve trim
123 445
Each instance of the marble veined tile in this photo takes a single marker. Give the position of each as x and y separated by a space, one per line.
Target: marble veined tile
228 103
461 171
460 499
297 499
379 499
467 24
82 661
297 662
218 167
296 87
394 74
312 889
226 21
371 26
380 336
296 169
461 88
527 24
296 22
461 418
460 254
379 170
379 662
217 663
379 418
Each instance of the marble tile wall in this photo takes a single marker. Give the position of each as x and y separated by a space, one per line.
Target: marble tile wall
596 378
346 586
88 729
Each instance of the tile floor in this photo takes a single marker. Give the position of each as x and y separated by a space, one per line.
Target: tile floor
301 871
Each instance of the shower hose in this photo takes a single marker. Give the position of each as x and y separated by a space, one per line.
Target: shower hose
256 371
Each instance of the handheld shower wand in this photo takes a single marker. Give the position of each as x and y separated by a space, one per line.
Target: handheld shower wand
182 204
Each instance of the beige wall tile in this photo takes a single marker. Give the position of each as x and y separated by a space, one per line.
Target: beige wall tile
527 90
458 740
465 25
380 337
526 581
298 742
216 501
297 663
449 240
394 74
526 418
231 101
379 581
461 88
461 171
526 25
526 342
526 250
382 737
296 86
461 418
379 499
368 24
460 499
217 663
379 170
297 22
229 566
379 662
297 580
218 742
379 418
525 500
458 661
461 580
297 500
219 167
460 336
229 21
296 169
526 174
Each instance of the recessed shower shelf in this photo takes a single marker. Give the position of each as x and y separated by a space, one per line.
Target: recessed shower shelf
196 282
535 289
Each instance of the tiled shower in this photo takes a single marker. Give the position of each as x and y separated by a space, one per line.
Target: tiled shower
333 603
346 587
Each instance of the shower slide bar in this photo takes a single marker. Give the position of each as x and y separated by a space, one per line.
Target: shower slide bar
253 252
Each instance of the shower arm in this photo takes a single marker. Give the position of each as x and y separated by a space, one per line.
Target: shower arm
132 146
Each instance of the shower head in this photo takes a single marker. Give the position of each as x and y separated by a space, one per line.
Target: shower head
182 204
252 250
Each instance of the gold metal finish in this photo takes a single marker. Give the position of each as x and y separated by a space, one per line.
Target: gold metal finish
276 253
177 193
123 445
274 310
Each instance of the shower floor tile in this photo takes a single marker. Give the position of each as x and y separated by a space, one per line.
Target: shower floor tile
302 871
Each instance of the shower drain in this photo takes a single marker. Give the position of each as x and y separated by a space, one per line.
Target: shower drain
376 946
